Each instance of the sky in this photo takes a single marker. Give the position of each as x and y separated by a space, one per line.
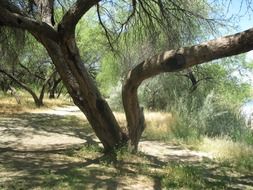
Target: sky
244 21
240 7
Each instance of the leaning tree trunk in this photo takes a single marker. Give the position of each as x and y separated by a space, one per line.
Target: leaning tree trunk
171 61
61 46
82 89
135 117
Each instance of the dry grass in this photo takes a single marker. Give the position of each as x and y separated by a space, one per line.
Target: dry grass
157 124
236 155
225 148
9 105
153 119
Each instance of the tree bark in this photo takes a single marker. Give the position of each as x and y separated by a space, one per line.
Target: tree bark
46 10
53 86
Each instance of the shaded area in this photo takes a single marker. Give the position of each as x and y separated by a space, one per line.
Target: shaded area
31 131
60 164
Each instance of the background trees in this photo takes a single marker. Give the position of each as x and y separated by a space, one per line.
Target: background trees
176 23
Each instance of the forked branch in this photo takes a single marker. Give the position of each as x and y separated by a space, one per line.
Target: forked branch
74 14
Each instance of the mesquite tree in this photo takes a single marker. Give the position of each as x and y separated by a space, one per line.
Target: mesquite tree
58 37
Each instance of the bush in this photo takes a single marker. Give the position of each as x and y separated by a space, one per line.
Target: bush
115 98
212 118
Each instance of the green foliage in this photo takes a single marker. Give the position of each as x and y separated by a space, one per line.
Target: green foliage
161 92
115 99
108 76
90 41
182 176
188 176
144 36
211 118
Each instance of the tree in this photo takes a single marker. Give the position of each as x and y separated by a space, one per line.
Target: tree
24 69
37 17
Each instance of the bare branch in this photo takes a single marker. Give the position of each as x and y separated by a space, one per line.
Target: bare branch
32 73
107 33
131 15
182 58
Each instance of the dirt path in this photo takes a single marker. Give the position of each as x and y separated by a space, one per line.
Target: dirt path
21 134
40 143
29 132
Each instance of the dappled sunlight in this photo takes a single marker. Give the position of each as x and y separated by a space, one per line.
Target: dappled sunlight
30 131
57 149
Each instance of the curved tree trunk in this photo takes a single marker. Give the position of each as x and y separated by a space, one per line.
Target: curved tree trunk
61 47
135 117
171 61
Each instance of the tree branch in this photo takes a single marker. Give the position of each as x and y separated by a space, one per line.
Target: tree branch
182 58
107 33
22 85
46 10
14 18
30 72
74 14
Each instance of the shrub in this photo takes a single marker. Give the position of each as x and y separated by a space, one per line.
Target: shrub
115 98
193 119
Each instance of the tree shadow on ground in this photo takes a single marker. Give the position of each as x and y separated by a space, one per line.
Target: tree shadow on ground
88 168
60 132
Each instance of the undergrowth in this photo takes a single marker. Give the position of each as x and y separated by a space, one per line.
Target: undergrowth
8 103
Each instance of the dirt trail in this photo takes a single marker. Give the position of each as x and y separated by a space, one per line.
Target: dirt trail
20 134
23 131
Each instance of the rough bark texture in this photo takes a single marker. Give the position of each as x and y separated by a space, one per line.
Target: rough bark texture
46 10
171 61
